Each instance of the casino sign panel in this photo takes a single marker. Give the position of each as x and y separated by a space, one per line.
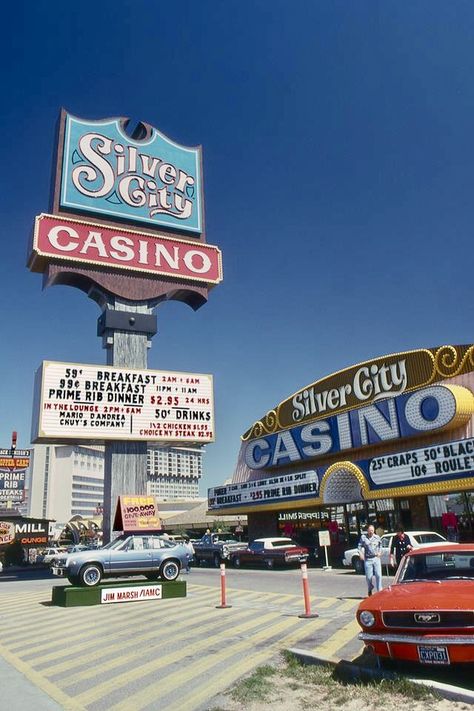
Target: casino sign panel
398 425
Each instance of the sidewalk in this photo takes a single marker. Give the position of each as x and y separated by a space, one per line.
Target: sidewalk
18 693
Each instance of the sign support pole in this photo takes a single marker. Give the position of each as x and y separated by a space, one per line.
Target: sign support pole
125 465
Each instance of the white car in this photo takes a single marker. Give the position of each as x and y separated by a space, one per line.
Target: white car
418 538
49 554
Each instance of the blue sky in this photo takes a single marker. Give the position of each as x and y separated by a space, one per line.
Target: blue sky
338 173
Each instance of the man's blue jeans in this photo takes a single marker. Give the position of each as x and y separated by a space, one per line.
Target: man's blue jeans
373 569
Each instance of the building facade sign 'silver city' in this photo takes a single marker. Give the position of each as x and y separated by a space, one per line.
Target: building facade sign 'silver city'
397 425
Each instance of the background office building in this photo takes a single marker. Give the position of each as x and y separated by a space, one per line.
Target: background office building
68 480
173 472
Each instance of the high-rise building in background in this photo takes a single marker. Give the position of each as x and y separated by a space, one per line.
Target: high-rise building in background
174 472
68 480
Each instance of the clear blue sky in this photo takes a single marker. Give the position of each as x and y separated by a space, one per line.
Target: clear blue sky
339 177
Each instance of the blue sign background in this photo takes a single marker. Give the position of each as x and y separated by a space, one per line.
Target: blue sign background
140 186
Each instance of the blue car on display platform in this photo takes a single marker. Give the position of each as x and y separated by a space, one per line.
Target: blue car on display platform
130 554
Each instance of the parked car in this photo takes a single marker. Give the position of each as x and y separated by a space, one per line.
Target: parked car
61 558
270 552
176 538
148 555
426 616
49 554
351 557
216 548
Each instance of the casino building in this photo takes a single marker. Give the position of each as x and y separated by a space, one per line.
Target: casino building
387 441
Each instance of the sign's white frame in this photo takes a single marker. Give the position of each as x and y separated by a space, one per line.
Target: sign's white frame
75 401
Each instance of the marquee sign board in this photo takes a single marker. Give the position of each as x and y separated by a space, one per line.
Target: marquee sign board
364 384
87 243
381 476
278 488
426 410
74 402
420 399
13 466
148 178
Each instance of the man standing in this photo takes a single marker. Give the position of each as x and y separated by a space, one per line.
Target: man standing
401 544
370 550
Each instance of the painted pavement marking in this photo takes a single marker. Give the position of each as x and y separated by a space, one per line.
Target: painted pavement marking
89 646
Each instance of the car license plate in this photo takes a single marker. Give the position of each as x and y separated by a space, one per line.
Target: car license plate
433 655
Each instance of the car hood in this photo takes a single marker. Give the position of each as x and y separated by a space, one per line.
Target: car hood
85 556
449 594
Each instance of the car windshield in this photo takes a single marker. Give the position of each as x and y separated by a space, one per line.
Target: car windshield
423 538
116 544
445 565
225 538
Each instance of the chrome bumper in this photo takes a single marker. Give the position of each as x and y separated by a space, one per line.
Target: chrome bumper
60 572
417 639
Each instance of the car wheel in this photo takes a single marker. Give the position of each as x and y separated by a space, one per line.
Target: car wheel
236 562
217 560
90 575
358 565
269 564
170 570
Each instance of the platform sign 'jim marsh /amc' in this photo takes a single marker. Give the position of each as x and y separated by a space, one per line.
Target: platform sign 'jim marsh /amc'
99 403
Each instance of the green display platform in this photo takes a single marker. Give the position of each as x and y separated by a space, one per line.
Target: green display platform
116 592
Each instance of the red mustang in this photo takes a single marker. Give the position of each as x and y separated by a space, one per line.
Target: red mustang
427 614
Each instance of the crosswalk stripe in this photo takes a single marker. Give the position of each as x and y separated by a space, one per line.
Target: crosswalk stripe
159 689
218 683
87 637
134 655
196 648
72 618
338 639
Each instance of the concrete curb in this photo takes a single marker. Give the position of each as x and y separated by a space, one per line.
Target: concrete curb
350 671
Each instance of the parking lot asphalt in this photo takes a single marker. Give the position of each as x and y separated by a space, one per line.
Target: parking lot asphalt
177 654
173 654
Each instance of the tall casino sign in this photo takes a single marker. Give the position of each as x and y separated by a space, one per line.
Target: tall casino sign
127 215
397 425
126 226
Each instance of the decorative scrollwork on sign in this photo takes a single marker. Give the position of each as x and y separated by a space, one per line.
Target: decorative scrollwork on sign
266 425
450 361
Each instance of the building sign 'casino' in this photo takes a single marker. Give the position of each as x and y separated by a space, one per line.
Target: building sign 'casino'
398 425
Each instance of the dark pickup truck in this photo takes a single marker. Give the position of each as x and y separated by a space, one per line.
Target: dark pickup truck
216 548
